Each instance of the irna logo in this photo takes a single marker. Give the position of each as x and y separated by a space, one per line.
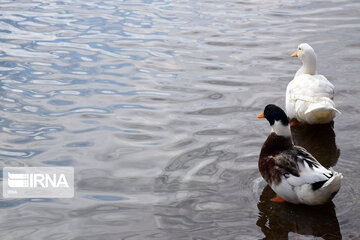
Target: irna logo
38 182
34 180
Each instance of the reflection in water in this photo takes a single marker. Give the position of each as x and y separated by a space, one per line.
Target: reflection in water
277 220
319 140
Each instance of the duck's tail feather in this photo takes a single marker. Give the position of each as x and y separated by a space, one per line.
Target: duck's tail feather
321 112
332 186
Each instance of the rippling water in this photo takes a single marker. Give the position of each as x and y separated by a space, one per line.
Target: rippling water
154 104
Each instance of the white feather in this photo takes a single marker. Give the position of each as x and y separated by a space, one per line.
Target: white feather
280 129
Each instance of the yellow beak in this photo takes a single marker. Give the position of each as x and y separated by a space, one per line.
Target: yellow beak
261 115
294 54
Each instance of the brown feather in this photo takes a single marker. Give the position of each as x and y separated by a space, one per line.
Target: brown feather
280 157
273 163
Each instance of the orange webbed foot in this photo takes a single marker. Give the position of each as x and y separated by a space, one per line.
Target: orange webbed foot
295 122
277 199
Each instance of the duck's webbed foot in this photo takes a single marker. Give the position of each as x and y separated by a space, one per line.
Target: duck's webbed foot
277 199
295 122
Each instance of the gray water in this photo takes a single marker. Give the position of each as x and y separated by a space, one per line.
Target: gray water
154 104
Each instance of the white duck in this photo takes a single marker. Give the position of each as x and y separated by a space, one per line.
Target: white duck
292 172
309 96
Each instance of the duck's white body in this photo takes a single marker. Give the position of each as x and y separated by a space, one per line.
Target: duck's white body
309 96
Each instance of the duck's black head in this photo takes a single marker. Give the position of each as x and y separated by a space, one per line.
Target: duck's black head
274 113
280 137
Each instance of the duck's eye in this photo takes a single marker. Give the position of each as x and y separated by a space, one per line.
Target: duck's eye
299 49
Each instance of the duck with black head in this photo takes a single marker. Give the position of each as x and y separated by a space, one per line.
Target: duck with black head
292 172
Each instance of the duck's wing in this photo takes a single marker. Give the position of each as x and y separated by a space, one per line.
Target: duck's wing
324 86
309 88
302 169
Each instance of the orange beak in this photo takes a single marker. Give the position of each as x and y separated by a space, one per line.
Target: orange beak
261 115
294 54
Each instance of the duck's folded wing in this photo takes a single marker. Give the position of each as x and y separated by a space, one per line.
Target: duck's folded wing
310 88
304 168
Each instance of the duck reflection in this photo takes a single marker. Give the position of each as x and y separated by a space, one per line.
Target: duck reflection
319 140
277 220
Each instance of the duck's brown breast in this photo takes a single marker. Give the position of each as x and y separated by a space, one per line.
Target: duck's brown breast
272 163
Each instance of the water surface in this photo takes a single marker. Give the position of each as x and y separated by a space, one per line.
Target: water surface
154 104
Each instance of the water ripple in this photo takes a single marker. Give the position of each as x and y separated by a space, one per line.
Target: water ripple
154 103
18 153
